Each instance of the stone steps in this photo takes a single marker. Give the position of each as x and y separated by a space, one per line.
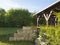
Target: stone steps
27 33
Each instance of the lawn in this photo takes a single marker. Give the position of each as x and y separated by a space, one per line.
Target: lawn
4 37
6 31
16 43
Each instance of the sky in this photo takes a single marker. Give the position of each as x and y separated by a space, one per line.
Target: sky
31 5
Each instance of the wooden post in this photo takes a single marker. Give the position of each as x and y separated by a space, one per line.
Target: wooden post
38 21
47 23
38 28
56 19
47 16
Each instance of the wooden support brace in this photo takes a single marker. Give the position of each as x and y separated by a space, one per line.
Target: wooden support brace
38 21
47 16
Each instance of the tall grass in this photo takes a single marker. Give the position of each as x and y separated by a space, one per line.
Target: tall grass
53 32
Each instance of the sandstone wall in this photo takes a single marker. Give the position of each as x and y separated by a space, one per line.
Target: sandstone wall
26 33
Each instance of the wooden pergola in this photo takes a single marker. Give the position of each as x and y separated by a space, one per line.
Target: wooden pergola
47 14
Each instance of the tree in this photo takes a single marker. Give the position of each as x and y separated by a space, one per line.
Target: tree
35 20
2 17
18 18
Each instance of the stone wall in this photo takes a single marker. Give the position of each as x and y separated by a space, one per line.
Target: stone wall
26 33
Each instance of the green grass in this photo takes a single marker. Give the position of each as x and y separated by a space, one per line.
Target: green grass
6 31
16 43
4 37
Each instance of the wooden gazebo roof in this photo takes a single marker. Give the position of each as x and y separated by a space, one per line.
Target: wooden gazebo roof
49 8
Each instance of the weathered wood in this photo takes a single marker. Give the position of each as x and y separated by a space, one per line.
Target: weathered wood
56 19
38 21
47 16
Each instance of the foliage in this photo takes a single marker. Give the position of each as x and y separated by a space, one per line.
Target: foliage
18 17
15 18
2 17
58 16
34 20
53 32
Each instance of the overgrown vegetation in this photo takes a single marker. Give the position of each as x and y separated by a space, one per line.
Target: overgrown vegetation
53 33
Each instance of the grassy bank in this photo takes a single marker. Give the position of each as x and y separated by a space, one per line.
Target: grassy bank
16 43
6 30
4 37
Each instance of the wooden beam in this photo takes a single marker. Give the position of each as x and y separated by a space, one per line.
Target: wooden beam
47 16
38 21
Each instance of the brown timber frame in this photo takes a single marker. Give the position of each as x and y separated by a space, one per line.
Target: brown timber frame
47 13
